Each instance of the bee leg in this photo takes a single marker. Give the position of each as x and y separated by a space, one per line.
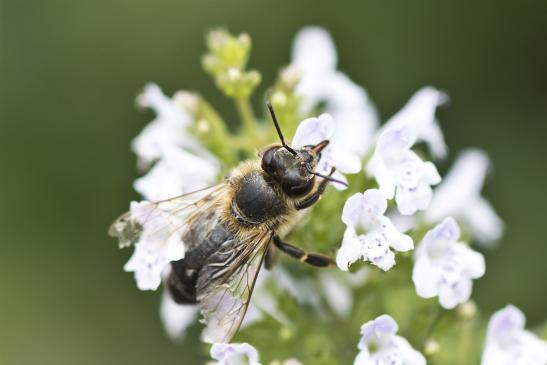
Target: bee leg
310 258
181 283
271 258
314 197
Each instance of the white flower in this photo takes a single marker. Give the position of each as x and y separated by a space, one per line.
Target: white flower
234 354
338 288
302 289
264 301
156 247
419 115
400 172
380 345
167 129
176 173
314 56
508 343
446 267
314 130
459 195
366 211
176 317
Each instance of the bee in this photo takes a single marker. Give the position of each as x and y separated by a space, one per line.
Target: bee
230 229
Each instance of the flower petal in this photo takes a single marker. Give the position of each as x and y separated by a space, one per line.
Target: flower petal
234 354
472 262
313 130
411 200
376 250
377 329
314 50
430 174
446 231
426 278
350 251
399 241
345 161
374 205
484 222
176 318
353 208
456 293
419 115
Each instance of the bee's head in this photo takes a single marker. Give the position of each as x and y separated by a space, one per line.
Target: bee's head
294 169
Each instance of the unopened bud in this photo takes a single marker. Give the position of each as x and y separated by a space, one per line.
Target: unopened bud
203 126
253 77
217 38
431 347
286 333
279 98
467 310
234 74
244 40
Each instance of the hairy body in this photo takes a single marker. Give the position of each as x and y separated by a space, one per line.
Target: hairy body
254 202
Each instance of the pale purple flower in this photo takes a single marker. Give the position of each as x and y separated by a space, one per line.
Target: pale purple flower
234 354
338 288
176 173
445 267
314 57
156 246
380 345
419 115
509 343
400 172
264 301
167 129
176 317
365 213
459 195
314 130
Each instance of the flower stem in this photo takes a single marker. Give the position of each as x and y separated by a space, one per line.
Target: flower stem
434 322
247 116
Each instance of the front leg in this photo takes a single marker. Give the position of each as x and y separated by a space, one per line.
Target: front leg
312 198
310 258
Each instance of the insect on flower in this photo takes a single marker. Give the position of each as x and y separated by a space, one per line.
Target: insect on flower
218 237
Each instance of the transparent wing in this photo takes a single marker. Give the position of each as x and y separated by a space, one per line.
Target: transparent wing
226 282
163 221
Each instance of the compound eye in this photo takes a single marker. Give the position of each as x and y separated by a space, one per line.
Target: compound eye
299 190
268 161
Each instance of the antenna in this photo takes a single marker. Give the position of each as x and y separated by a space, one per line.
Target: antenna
285 145
331 179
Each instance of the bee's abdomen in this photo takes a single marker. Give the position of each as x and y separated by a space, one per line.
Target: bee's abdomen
256 200
181 282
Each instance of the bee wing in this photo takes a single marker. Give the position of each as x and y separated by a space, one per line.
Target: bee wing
226 282
163 221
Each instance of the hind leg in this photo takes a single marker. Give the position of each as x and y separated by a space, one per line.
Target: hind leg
181 283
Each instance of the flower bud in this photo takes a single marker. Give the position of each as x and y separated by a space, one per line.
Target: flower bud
467 310
431 347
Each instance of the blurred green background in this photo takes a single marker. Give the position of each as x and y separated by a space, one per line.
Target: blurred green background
69 72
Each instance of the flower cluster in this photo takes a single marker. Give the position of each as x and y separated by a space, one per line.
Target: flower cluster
379 344
406 229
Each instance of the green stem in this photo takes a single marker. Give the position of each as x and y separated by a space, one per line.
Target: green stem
211 115
247 116
431 327
220 135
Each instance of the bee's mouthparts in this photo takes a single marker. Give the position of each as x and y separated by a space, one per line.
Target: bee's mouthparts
320 146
